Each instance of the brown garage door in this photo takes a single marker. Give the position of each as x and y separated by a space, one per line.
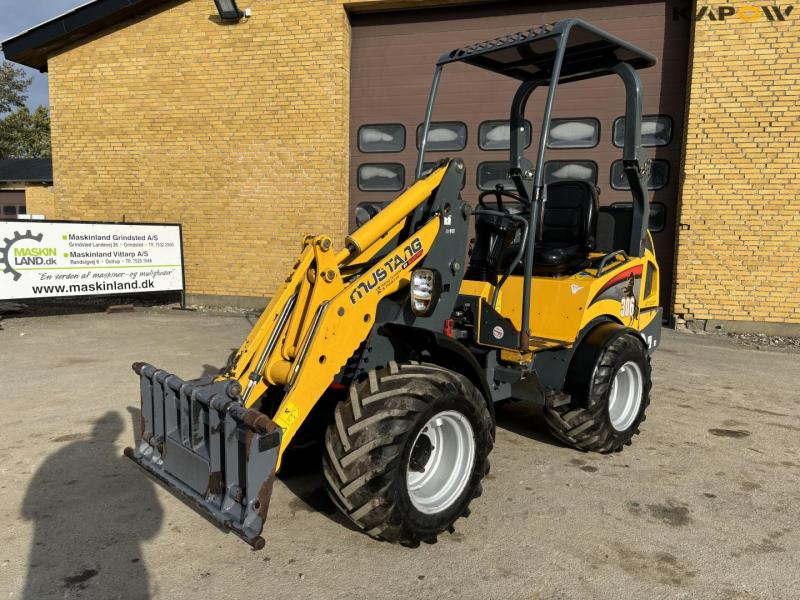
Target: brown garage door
393 56
11 204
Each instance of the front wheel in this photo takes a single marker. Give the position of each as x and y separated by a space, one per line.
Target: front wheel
604 413
407 450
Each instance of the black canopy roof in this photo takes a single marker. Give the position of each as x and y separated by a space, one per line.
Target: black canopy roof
531 54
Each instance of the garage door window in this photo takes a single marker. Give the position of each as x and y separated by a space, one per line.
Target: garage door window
574 133
659 175
490 174
366 210
496 135
9 211
381 177
381 138
656 130
427 168
562 170
658 215
444 136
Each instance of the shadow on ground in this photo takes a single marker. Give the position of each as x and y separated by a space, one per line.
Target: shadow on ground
211 371
525 419
90 510
301 472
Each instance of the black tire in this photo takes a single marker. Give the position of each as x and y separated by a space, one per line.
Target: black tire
584 422
368 448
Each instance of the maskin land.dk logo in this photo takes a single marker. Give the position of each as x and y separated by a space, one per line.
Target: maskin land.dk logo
22 251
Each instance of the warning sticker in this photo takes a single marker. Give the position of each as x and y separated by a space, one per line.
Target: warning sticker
287 415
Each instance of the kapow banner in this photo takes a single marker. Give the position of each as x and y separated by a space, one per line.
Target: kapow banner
726 12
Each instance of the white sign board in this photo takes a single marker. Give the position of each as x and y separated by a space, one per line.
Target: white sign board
46 259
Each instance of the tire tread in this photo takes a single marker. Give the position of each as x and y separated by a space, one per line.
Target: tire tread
366 440
582 423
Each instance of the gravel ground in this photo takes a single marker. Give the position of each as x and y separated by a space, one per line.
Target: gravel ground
704 504
762 341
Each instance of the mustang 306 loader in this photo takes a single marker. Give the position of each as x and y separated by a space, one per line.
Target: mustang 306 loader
405 349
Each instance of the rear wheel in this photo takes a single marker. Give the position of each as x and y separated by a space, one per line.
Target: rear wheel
604 414
407 450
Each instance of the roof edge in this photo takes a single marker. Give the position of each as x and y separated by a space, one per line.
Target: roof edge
26 170
33 46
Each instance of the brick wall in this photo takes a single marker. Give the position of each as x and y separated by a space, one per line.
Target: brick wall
40 200
239 132
739 240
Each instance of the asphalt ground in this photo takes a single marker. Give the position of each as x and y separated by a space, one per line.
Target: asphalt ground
704 504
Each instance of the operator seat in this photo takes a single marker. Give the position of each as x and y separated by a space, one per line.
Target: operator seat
569 228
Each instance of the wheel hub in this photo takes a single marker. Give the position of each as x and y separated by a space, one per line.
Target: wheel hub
421 453
625 396
441 462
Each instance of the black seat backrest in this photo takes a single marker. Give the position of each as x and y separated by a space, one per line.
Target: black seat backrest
570 214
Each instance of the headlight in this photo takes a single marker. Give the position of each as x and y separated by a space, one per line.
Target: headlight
425 288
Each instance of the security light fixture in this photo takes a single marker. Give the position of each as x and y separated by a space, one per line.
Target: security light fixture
228 11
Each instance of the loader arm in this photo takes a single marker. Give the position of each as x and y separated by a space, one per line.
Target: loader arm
209 441
340 325
320 316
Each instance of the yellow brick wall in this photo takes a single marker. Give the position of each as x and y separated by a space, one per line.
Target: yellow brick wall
239 132
40 200
739 239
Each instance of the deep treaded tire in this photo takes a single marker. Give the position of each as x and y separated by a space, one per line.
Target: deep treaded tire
368 449
585 422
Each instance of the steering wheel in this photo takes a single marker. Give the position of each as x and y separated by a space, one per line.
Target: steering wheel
499 192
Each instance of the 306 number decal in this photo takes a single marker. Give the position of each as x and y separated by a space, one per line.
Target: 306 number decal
627 306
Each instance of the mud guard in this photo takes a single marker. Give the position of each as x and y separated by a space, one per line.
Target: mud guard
591 347
406 341
205 447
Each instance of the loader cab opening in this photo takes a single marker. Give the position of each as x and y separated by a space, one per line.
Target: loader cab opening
554 229
568 233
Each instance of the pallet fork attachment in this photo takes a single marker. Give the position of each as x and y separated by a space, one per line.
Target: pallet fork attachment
204 446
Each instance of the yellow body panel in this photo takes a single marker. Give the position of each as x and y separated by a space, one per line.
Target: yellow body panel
561 306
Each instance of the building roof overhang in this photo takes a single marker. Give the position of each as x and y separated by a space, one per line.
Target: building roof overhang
33 46
26 170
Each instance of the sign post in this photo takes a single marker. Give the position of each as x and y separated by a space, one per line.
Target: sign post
52 259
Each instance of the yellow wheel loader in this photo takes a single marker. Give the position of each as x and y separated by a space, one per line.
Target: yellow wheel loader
402 341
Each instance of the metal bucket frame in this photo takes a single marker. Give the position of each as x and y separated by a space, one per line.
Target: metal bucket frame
205 446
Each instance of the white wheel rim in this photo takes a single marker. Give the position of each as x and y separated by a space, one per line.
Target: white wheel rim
441 462
625 396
